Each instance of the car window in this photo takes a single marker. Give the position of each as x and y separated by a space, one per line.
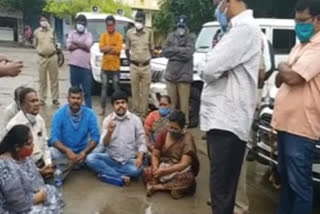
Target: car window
98 26
204 40
283 40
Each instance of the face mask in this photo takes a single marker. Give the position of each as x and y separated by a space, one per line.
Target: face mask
176 135
138 25
80 28
31 118
44 24
222 17
304 31
164 111
25 152
110 29
181 31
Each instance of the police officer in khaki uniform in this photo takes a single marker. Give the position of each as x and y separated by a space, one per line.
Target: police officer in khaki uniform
139 49
45 43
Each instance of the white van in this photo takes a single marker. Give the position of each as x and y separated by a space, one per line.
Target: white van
97 26
280 32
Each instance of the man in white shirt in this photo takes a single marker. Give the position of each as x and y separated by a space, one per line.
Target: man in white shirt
29 116
13 108
10 111
228 100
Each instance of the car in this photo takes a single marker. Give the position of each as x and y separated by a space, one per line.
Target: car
266 150
97 26
280 33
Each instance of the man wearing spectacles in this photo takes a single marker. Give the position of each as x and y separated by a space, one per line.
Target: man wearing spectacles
297 110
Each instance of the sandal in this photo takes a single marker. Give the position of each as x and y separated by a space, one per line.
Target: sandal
56 102
150 190
176 194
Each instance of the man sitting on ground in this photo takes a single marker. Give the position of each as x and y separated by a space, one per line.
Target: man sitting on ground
123 143
29 116
74 132
13 108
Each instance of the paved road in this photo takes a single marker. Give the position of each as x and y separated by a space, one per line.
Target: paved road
84 194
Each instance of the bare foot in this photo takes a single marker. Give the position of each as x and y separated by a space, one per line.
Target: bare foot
150 190
126 180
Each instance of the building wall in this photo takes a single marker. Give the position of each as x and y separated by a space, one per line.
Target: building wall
148 6
144 4
12 25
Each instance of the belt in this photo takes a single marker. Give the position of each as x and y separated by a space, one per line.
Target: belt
48 56
141 64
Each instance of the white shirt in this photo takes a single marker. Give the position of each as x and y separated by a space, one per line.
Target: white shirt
228 99
39 133
10 111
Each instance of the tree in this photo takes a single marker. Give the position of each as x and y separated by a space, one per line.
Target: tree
201 11
65 8
28 8
198 12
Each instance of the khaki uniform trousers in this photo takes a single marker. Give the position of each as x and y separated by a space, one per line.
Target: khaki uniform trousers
180 93
140 87
49 66
242 201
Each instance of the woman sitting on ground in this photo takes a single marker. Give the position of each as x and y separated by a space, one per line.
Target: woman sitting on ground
174 162
157 121
22 189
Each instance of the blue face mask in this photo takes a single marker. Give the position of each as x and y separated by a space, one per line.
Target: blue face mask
304 31
164 111
222 19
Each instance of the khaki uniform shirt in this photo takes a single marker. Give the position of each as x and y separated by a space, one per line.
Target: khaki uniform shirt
297 108
44 41
140 44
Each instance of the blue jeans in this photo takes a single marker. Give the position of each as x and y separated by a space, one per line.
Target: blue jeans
106 77
61 160
81 77
295 166
103 163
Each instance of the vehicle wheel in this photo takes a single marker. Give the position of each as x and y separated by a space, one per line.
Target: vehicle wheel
316 195
60 58
194 107
95 87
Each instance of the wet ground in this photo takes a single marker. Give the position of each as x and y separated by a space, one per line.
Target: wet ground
84 194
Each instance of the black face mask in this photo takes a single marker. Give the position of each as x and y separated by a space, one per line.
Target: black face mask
176 135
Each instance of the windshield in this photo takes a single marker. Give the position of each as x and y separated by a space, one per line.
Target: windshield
204 41
98 26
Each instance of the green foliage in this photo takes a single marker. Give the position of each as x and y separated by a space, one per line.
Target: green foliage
63 8
199 12
27 7
23 5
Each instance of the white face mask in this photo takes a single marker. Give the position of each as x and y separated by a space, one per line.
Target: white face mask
31 118
80 28
44 24
138 25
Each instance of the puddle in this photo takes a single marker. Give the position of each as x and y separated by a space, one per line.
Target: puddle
127 205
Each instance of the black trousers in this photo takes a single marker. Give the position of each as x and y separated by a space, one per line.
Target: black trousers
226 152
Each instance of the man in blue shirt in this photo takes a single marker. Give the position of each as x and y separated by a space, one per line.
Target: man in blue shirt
74 132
